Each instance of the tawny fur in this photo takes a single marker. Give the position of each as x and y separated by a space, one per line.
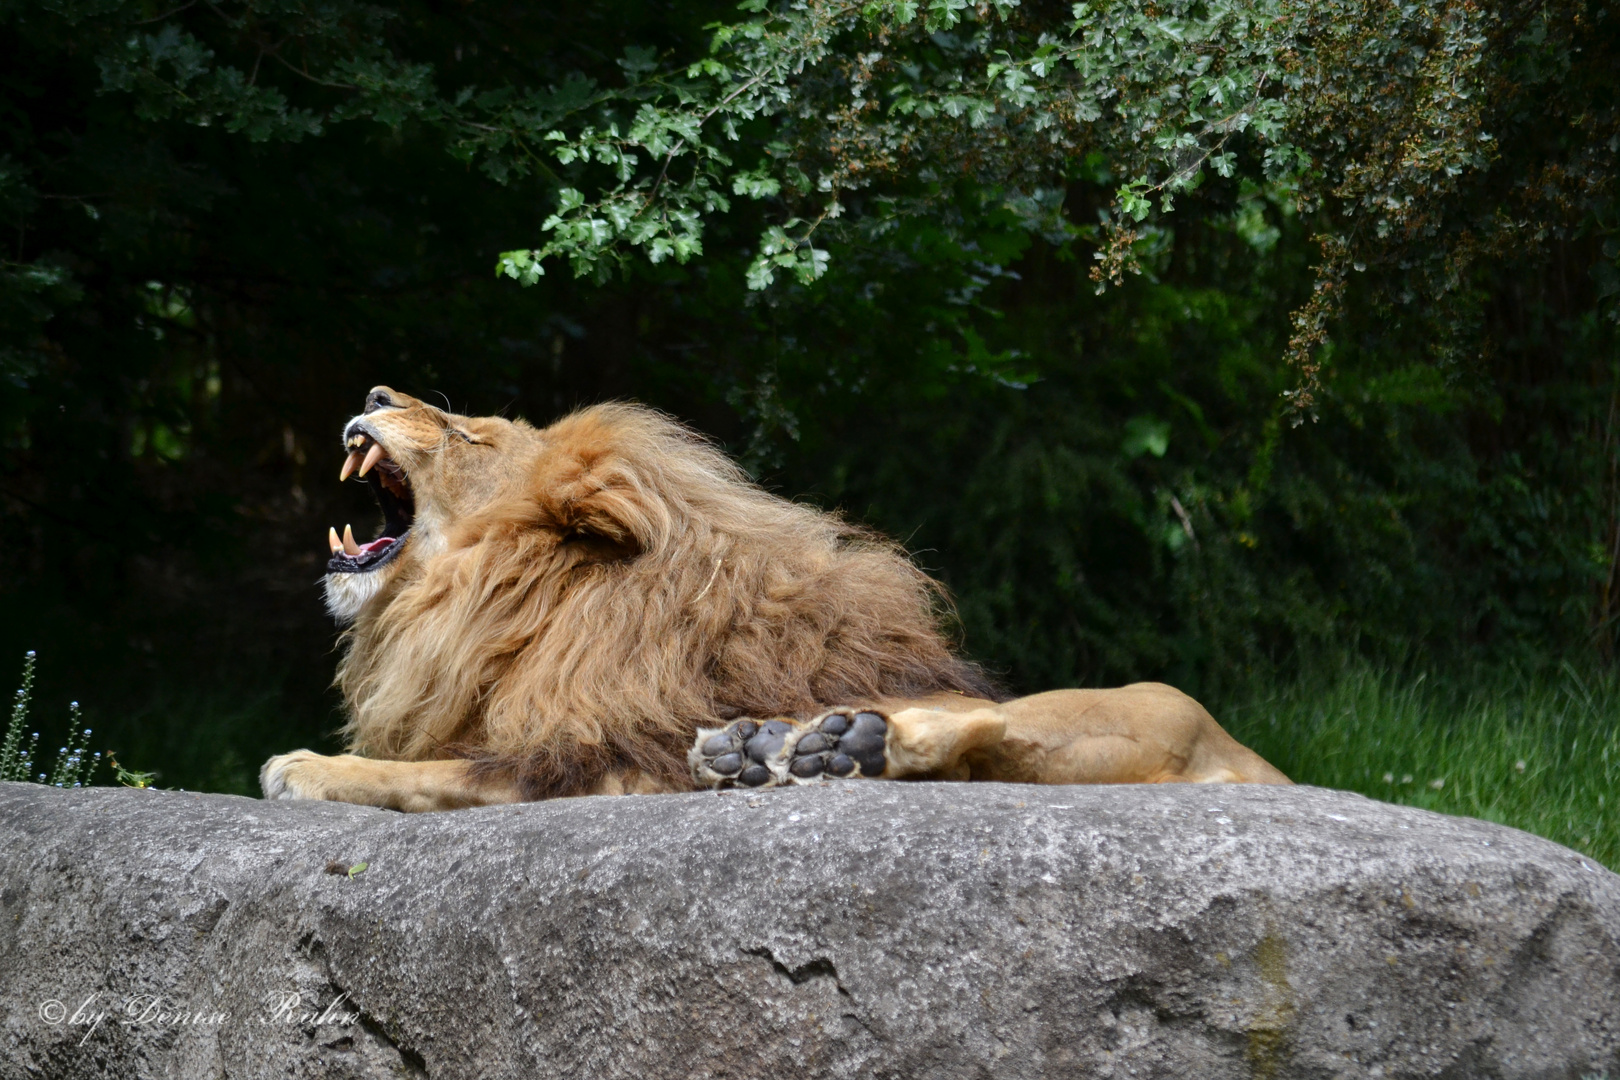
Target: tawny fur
626 585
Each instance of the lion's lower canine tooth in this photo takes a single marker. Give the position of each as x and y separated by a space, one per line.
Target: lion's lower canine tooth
332 539
349 546
350 463
373 456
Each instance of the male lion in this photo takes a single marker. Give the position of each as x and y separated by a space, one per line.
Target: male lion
601 605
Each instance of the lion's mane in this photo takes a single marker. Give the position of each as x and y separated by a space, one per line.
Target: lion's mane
637 585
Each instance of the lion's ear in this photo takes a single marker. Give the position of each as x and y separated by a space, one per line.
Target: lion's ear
594 504
600 539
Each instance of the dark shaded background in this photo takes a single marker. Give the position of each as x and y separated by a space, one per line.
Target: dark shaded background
1109 484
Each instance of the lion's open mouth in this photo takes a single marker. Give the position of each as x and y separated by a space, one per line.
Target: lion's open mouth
392 489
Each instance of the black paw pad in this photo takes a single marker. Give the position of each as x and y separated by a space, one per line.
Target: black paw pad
718 744
767 744
838 743
735 754
813 743
864 742
841 743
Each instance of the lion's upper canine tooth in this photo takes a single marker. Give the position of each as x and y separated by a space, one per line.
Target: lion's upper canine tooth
332 538
350 463
374 455
349 546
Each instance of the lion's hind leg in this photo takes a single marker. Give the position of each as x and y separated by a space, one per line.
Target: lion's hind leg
842 743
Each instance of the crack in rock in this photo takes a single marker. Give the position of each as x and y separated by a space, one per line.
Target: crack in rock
818 968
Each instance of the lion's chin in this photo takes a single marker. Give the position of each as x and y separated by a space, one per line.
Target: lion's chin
348 594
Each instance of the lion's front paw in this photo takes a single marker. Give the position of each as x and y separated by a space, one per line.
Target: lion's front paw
842 742
293 776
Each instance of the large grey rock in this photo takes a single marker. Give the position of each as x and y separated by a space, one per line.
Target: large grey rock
859 930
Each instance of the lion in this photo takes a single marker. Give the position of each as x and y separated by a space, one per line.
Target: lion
609 605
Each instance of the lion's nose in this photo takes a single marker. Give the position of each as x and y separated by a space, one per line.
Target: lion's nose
378 399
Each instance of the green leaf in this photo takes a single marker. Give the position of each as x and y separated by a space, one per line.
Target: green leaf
1146 435
638 61
523 266
1132 202
756 184
760 275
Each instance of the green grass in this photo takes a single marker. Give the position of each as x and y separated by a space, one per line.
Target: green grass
1539 753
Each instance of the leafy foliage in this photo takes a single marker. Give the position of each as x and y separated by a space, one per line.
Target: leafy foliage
1385 122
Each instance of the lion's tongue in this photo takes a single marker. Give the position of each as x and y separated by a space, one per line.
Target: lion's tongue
376 545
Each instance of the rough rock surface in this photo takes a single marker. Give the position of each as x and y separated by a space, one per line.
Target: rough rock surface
856 930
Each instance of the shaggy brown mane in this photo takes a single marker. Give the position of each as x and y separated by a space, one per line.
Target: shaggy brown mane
630 586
